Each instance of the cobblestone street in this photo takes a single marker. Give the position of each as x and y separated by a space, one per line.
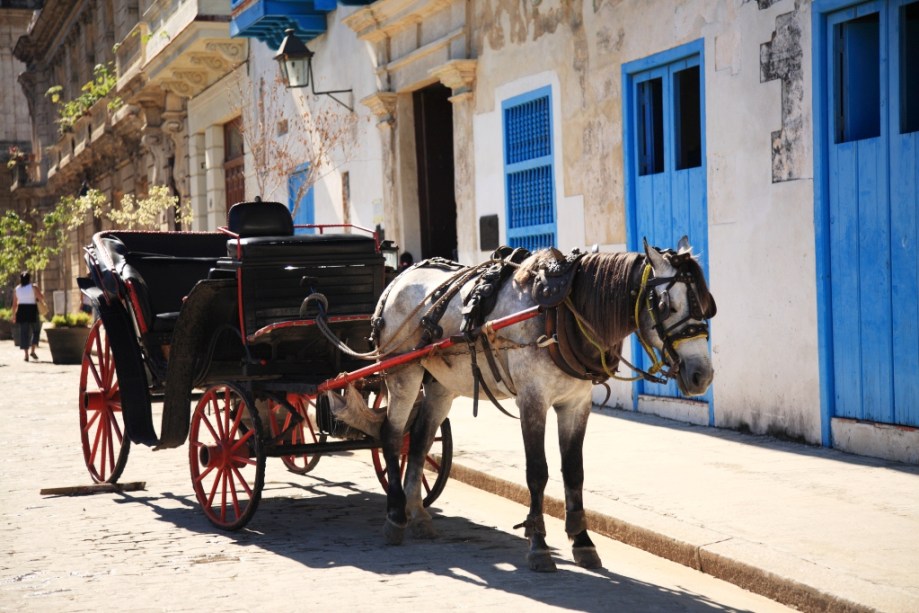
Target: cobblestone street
315 542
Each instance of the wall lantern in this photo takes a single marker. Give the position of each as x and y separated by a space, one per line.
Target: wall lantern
296 62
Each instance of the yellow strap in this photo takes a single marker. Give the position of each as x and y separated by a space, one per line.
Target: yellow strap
589 337
680 341
656 364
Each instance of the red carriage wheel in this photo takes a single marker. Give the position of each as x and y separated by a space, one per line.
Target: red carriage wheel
105 447
437 463
226 456
280 419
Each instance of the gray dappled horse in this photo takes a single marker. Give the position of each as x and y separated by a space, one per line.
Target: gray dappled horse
662 295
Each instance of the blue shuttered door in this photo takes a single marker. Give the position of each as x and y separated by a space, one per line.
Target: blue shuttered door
665 162
528 170
872 167
300 199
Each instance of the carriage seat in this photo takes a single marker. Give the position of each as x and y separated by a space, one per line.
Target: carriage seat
162 267
278 269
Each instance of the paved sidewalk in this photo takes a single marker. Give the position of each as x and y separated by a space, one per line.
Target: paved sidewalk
813 528
810 527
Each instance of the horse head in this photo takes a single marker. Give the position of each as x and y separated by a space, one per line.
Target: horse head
675 306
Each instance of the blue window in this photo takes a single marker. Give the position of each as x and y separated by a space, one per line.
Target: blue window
300 199
529 170
858 78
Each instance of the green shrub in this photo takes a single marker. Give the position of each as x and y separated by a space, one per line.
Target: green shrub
72 320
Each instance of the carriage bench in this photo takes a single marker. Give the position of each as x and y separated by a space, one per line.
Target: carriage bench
277 269
131 262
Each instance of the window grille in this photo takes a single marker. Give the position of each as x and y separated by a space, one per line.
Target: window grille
528 168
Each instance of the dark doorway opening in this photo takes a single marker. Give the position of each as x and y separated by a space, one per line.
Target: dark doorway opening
434 150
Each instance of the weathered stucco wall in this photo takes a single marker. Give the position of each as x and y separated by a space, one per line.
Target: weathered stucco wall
759 169
761 214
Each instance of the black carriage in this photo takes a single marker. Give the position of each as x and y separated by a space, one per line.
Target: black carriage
217 319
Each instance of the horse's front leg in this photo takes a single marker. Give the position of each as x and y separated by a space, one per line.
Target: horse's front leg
533 425
437 403
572 424
403 389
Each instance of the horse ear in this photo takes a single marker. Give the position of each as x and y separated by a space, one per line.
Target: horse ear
684 246
654 256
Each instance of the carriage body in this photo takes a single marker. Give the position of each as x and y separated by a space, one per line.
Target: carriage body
186 316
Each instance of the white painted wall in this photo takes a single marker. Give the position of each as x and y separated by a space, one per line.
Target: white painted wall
341 62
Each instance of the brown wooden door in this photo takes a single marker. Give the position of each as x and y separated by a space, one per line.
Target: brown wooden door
233 165
434 151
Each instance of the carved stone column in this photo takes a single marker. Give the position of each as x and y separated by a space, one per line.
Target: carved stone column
174 127
383 106
197 183
159 149
215 177
459 76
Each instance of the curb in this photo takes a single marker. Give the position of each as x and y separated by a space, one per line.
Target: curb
784 590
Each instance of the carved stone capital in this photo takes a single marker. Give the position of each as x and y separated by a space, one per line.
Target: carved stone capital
458 75
383 105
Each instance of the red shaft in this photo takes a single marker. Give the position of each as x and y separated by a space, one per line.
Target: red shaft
416 354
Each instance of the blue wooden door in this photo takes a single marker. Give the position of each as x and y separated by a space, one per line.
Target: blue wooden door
300 199
665 162
872 165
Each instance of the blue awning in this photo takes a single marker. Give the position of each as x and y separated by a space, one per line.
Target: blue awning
266 20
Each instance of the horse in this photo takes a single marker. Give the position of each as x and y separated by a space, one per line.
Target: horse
661 295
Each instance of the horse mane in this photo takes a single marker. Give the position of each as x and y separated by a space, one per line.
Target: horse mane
600 292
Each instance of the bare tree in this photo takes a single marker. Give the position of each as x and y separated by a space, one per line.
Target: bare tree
281 138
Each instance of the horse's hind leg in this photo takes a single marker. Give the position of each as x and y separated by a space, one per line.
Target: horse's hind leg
437 402
533 425
572 423
403 389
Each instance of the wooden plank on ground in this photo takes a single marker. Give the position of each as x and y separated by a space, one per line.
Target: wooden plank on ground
95 488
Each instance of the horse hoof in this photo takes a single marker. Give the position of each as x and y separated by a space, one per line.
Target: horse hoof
541 562
586 557
393 532
423 529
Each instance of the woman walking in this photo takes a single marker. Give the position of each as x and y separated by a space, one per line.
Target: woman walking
25 313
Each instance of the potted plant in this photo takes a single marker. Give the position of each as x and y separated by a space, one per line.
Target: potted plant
67 337
6 324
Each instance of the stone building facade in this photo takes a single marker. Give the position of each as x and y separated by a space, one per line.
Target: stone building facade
752 126
534 122
163 53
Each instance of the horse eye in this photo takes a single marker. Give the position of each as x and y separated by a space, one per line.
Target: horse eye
663 304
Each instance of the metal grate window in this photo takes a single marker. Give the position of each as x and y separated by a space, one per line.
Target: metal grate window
528 168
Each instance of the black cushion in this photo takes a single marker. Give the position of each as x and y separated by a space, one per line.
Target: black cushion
260 219
279 248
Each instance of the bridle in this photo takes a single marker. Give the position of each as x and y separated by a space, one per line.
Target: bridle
657 302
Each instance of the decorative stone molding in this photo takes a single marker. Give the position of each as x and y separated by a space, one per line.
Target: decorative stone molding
382 105
195 65
210 61
386 18
458 75
234 52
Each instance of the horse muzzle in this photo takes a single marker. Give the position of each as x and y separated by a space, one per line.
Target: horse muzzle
695 377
